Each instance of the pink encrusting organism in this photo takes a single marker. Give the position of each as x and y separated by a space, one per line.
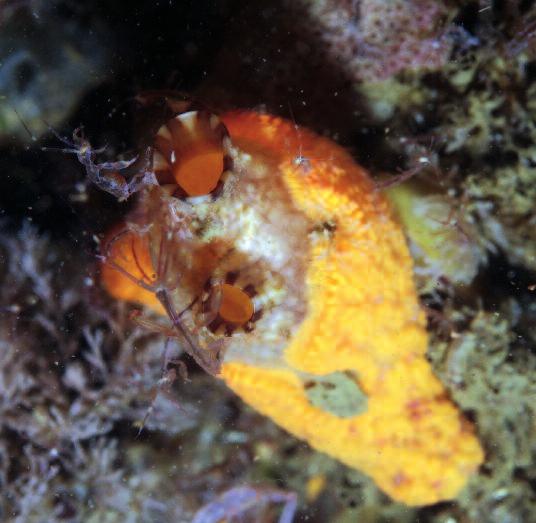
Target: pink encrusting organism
374 40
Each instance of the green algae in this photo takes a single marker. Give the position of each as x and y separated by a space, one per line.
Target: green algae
443 243
489 377
336 393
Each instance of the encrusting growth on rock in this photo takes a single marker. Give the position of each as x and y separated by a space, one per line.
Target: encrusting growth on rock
293 264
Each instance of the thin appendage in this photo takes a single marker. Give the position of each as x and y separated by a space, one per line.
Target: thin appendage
206 359
163 257
72 144
60 150
169 376
23 123
158 328
163 262
137 261
127 274
398 179
107 258
151 325
121 164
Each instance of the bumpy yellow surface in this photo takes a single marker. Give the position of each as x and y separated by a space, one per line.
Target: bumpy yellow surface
364 318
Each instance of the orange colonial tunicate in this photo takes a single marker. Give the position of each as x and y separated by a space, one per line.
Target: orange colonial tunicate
235 306
187 172
188 149
130 252
334 350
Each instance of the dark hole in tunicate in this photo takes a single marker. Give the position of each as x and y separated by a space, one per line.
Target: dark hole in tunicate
470 415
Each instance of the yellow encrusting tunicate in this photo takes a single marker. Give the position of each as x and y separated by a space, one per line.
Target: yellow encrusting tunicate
317 309
363 316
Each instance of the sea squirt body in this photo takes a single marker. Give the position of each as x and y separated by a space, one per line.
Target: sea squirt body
334 350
